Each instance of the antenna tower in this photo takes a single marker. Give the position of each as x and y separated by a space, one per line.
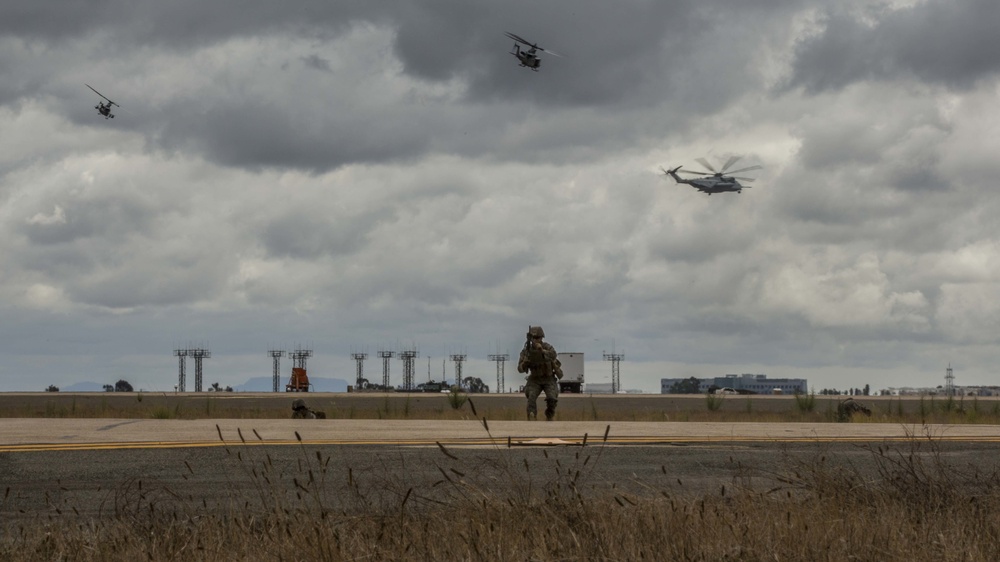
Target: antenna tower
615 358
181 367
458 358
408 356
949 381
386 355
299 357
198 353
276 354
360 359
501 359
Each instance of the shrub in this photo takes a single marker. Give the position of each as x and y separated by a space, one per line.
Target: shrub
805 402
713 401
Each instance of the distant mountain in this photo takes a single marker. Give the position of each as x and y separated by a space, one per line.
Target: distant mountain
266 384
83 387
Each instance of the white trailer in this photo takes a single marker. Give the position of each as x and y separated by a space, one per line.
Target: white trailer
572 368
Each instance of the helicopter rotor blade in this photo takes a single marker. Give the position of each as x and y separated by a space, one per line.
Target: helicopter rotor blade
741 178
524 41
520 39
100 94
694 173
732 160
706 164
758 167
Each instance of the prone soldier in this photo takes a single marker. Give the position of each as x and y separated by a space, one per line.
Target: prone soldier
847 409
301 412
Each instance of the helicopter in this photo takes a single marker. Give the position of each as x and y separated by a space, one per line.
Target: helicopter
528 58
101 107
715 181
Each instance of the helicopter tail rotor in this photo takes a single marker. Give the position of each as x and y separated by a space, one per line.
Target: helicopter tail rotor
672 173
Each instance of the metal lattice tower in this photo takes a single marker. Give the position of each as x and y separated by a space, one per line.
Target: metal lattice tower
615 358
181 367
407 356
299 357
360 358
386 356
276 354
458 358
198 353
501 359
949 381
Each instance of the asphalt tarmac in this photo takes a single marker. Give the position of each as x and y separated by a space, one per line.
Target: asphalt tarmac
106 468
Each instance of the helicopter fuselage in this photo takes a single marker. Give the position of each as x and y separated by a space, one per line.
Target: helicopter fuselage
104 110
710 185
527 58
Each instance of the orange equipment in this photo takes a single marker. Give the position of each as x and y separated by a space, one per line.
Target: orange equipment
299 381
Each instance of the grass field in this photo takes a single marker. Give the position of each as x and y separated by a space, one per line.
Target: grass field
908 503
572 407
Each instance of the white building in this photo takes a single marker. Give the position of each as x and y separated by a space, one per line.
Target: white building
757 384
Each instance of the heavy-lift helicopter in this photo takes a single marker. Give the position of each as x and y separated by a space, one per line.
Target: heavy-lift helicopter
101 107
715 181
528 58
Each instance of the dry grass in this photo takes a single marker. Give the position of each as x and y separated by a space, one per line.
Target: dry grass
696 408
907 504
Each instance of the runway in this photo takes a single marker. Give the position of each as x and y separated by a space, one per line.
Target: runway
88 467
22 435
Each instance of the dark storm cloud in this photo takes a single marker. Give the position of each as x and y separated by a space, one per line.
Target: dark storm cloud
613 54
947 42
182 24
316 62
692 57
256 134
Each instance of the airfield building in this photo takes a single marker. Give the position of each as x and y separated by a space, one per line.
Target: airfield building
758 384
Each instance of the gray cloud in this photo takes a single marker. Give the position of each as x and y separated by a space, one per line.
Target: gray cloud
948 43
352 174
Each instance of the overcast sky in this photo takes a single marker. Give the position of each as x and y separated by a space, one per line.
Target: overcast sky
364 176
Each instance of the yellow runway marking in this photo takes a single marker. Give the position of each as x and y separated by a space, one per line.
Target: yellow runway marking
479 442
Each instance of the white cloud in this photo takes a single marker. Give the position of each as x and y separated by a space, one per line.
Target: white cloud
56 217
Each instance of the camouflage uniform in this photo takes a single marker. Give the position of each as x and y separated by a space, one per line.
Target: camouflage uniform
847 409
300 412
538 358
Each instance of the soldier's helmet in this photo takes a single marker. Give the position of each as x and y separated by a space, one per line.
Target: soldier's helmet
536 331
298 404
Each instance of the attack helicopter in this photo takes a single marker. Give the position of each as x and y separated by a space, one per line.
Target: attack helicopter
716 181
528 58
101 107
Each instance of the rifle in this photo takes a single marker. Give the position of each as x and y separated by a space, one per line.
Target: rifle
534 355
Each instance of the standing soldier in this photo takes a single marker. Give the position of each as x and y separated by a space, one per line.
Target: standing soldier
538 359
